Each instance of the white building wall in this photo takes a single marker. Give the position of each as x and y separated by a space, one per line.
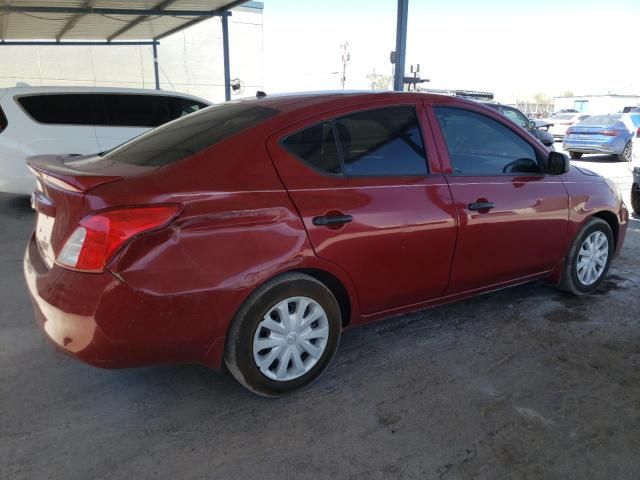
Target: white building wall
190 61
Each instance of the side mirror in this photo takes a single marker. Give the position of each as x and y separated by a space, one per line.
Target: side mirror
558 163
532 124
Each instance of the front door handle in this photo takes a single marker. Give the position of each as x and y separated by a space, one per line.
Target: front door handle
331 220
481 206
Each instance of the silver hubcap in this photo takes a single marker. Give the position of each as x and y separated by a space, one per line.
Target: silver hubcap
627 151
592 258
291 338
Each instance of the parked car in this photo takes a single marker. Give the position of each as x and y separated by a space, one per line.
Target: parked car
609 134
563 121
76 121
635 191
521 119
255 231
635 166
564 110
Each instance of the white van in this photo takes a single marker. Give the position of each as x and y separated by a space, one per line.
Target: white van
76 120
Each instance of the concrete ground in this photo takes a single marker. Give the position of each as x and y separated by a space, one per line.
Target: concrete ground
525 383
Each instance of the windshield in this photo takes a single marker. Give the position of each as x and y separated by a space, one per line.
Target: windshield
190 134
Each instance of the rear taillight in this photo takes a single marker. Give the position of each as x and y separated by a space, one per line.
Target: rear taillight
98 237
569 131
610 133
638 132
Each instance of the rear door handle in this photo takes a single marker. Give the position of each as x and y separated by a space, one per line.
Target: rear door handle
481 206
331 220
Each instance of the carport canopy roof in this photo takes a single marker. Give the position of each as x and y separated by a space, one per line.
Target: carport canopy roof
103 20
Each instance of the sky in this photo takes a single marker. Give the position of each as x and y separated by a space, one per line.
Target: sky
515 49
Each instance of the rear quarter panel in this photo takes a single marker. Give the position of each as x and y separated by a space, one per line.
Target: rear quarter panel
238 228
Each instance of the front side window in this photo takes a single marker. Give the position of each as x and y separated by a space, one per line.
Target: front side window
377 142
479 145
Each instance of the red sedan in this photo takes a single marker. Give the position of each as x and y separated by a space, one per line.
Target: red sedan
255 231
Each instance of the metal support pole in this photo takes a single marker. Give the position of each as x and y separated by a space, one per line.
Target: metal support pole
156 67
225 53
401 44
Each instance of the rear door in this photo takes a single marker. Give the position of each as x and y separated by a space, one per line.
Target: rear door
64 123
373 202
513 218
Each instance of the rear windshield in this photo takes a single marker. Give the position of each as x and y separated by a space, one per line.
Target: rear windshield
191 134
602 120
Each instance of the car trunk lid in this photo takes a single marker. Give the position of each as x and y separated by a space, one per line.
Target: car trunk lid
62 183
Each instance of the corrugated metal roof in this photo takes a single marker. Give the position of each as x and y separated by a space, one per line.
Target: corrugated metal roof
96 20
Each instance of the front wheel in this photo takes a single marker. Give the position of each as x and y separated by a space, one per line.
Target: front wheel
575 155
589 258
284 336
627 153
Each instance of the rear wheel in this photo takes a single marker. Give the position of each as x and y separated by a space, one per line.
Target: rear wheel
627 153
284 336
575 155
589 258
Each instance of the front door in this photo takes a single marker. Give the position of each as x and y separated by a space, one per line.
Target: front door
371 202
513 218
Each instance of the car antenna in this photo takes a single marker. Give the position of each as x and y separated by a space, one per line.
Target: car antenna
260 94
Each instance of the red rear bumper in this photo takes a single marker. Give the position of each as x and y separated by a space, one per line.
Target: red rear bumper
100 320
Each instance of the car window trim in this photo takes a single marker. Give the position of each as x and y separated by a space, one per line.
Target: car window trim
332 119
480 111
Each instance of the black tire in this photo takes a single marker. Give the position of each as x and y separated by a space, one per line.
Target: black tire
635 199
239 356
570 281
575 155
627 153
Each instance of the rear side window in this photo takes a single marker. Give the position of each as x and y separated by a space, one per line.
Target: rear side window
191 134
316 145
377 142
384 141
146 111
3 120
179 107
62 109
479 145
136 110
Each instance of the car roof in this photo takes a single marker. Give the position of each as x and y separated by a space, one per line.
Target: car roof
289 102
27 90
